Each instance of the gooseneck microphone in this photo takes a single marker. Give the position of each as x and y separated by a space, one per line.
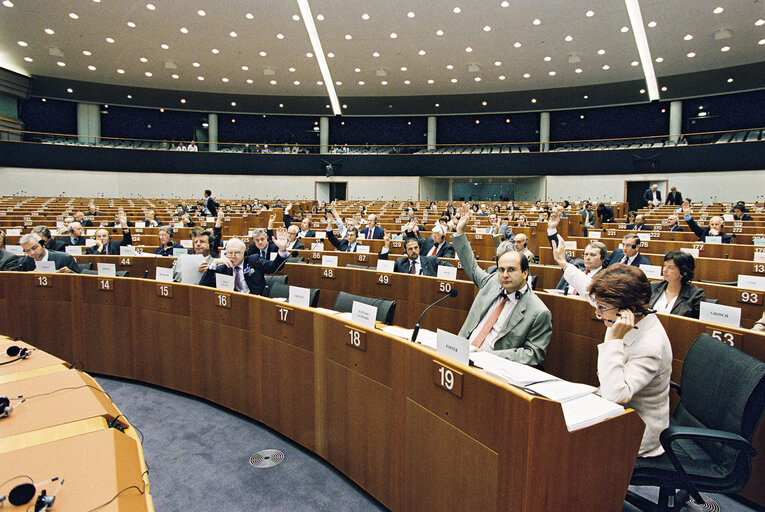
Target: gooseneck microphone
267 287
452 293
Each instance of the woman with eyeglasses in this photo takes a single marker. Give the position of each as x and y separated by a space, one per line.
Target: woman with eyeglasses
635 358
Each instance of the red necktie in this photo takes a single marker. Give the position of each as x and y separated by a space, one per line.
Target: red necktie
489 324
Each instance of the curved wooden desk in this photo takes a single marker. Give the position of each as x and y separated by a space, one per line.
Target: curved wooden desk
376 411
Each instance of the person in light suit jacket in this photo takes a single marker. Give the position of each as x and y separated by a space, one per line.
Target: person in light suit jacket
376 231
523 328
413 262
631 251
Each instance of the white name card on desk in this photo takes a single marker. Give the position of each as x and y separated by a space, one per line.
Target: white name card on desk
728 217
385 265
364 249
46 267
210 219
75 250
594 234
90 232
317 246
720 314
571 244
328 261
692 252
14 249
321 234
644 237
177 251
453 346
164 274
178 224
712 239
759 242
107 269
364 314
89 242
444 272
759 257
127 250
751 282
651 271
187 243
300 296
224 282
140 224
13 232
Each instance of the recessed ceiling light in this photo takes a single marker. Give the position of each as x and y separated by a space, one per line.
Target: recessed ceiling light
184 30
625 29
61 64
468 49
664 89
197 64
29 59
759 22
526 75
376 54
439 32
761 41
569 38
454 80
121 71
718 10
144 59
279 36
296 82
688 37
421 52
224 79
642 91
517 44
586 97
320 17
110 40
8 3
487 28
533 100
49 31
438 105
505 4
151 7
200 78
590 14
403 68
131 24
263 54
547 58
244 68
183 100
309 55
215 51
581 116
651 24
273 82
477 121
551 73
410 14
536 22
73 15
232 34
635 63
659 59
319 82
449 66
249 80
431 81
497 63
365 16
578 70
148 74
691 55
22 43
201 12
393 35
348 37
407 82
92 68
174 76
338 82
361 82
70 90
477 79
501 77
357 70
164 46
456 10
601 52
606 67
725 48
251 16
730 80
384 82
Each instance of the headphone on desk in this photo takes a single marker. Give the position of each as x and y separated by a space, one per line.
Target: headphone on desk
23 494
16 352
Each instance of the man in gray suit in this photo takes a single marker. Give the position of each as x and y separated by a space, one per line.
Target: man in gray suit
506 317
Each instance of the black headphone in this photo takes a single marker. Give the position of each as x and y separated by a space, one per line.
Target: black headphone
634 246
17 352
5 406
23 494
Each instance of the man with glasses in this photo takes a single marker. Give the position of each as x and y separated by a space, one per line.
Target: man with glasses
506 318
35 251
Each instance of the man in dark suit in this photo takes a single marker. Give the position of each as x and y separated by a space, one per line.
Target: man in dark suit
167 245
293 242
413 263
104 246
248 271
372 231
652 196
629 254
75 235
673 223
260 244
48 241
639 224
674 197
80 217
715 227
348 244
8 262
435 245
305 229
35 251
210 206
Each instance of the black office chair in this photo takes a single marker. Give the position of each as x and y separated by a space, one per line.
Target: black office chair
708 445
273 279
351 265
89 272
85 266
385 308
294 259
283 290
711 301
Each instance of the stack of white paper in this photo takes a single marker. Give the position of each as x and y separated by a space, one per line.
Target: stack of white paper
588 410
561 390
515 373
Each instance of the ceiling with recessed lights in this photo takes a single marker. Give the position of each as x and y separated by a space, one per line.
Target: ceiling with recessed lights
377 49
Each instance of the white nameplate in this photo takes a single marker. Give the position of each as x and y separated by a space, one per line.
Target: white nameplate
224 282
90 232
571 244
321 234
107 269
453 346
75 250
177 251
692 252
317 246
712 239
14 249
758 241
89 242
444 272
188 244
328 261
178 225
210 219
595 234
363 314
759 257
362 249
651 270
751 282
385 265
728 217
13 232
720 314
46 267
299 296
127 250
164 274
140 224
644 237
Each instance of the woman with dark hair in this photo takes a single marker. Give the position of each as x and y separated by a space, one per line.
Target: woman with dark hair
675 294
635 359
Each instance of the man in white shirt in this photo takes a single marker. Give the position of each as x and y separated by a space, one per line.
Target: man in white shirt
594 256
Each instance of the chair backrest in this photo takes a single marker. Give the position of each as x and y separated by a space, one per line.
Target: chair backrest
711 301
385 308
271 280
351 265
85 266
283 290
722 388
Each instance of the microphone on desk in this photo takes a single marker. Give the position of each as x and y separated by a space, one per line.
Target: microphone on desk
267 287
452 293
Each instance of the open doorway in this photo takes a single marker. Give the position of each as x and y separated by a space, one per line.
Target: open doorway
634 192
329 191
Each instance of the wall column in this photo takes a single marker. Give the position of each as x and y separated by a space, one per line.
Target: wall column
323 134
212 132
431 133
88 123
544 131
675 121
